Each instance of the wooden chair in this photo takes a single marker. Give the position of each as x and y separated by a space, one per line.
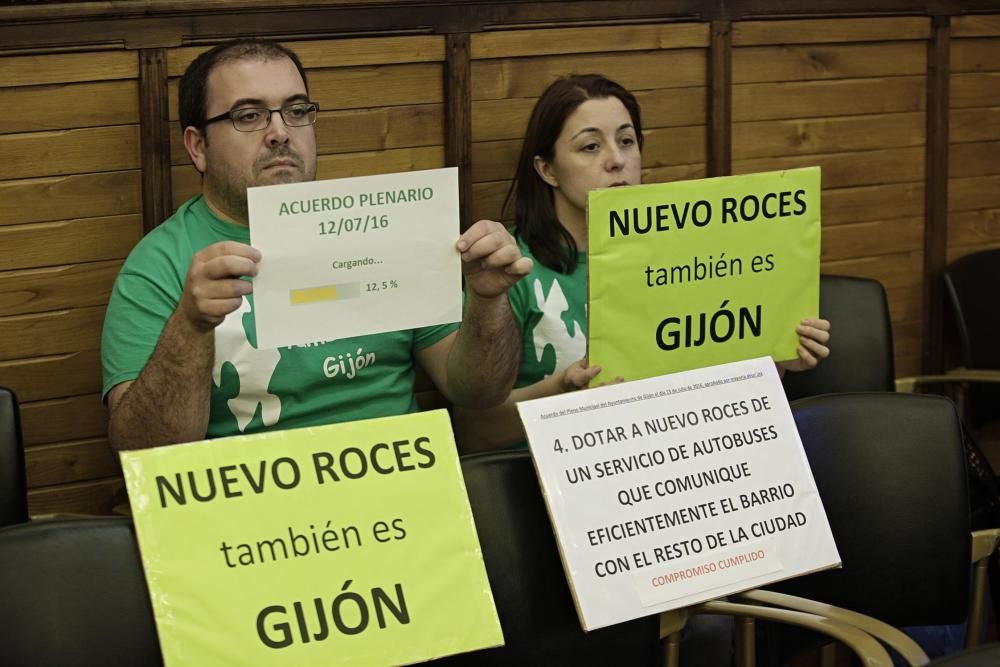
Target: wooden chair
890 469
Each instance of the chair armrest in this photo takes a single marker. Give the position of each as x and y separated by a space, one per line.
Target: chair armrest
59 516
887 634
868 650
984 543
954 376
673 621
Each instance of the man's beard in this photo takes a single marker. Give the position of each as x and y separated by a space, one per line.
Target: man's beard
230 189
282 175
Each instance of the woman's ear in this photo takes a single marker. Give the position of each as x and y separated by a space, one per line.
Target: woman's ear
194 143
544 170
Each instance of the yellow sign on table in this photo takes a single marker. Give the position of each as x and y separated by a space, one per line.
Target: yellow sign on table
345 544
697 273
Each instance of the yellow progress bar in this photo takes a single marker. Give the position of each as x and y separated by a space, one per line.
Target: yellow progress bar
314 294
323 293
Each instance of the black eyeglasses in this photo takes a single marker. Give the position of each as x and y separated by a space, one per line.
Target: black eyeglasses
255 119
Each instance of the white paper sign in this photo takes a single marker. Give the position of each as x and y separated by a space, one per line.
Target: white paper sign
678 489
355 256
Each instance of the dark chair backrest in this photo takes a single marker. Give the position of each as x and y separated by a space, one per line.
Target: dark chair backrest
73 593
972 283
890 470
860 344
13 491
981 656
539 620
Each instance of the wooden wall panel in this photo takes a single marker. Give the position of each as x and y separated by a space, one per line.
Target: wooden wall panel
57 287
39 378
973 228
68 241
877 202
69 214
840 170
979 158
851 97
845 30
975 89
820 99
80 151
64 197
974 134
62 420
66 106
759 64
519 43
64 68
95 497
640 70
987 25
71 462
488 200
665 65
974 124
52 332
827 135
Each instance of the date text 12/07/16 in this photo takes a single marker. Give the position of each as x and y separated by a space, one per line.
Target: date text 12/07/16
359 225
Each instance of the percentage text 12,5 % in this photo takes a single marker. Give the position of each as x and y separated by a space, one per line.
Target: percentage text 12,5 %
381 286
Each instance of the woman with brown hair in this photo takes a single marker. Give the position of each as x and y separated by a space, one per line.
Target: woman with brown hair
585 132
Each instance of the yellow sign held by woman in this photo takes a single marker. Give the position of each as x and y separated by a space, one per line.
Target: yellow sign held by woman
698 273
345 544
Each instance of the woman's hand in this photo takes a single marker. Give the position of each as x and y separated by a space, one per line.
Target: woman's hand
814 334
578 375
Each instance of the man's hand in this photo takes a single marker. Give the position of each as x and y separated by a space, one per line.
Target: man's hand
213 288
491 260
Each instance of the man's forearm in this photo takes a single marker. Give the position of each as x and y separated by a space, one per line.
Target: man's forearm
169 402
483 362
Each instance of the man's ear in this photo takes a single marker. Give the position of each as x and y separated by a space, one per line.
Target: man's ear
195 142
544 170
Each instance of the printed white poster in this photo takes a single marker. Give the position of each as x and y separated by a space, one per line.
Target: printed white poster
355 256
677 489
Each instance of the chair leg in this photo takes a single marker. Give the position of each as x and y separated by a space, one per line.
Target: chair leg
828 655
746 642
974 630
672 649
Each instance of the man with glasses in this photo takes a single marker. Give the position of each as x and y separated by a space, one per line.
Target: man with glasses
178 351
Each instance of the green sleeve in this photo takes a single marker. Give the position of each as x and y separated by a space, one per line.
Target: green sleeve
137 312
427 336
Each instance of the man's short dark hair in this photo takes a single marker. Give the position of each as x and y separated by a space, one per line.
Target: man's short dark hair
192 105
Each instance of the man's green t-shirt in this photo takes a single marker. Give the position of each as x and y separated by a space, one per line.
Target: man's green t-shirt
253 389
